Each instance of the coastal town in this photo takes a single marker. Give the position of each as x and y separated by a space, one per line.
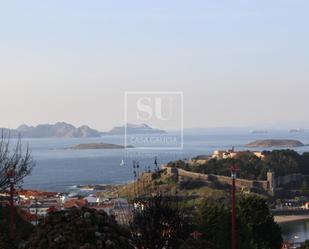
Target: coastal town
246 179
154 124
35 205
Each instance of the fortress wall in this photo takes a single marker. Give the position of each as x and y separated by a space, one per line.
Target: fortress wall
241 183
195 176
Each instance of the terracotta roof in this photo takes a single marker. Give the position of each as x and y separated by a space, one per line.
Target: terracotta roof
36 193
26 216
75 203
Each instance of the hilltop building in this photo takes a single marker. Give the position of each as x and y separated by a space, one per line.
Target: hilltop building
225 154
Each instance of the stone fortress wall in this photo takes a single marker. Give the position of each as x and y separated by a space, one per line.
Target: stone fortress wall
240 183
269 185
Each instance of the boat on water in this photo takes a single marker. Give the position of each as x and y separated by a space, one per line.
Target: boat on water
258 131
297 131
122 163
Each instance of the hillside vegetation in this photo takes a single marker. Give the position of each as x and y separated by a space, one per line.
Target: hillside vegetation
281 162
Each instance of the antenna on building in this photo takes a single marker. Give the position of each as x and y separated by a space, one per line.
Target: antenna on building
233 169
135 175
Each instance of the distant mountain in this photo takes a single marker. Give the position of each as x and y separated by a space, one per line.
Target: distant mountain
59 129
135 129
9 133
65 130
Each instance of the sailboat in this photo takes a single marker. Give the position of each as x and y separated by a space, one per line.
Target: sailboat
122 163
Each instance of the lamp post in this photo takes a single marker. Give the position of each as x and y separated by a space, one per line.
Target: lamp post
137 172
11 175
233 176
135 176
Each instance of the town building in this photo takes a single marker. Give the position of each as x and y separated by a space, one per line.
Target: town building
225 154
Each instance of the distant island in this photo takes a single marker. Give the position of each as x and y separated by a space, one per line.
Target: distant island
98 146
135 129
275 143
65 130
60 129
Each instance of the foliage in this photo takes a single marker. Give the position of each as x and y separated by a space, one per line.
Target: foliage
79 228
305 245
192 184
256 228
156 175
213 221
22 231
159 223
282 162
197 244
179 164
304 188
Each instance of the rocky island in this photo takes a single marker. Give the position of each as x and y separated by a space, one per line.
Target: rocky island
98 146
66 130
135 129
266 143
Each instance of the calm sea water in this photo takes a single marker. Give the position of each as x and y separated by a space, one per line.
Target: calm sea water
297 231
58 169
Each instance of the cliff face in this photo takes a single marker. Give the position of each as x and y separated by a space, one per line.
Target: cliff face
275 143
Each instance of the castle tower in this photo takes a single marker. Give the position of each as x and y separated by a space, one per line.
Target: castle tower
271 182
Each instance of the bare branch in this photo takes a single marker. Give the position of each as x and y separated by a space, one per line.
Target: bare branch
14 157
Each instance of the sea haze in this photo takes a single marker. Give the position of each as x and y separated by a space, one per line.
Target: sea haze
58 168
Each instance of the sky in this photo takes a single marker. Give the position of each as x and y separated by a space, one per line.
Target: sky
237 63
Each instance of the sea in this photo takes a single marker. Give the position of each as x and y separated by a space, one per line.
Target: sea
296 231
60 169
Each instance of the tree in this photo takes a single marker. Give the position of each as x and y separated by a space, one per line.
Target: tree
305 245
281 162
213 221
14 157
22 232
158 223
197 244
79 228
256 228
304 188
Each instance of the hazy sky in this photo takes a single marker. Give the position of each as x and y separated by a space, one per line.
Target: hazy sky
238 63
